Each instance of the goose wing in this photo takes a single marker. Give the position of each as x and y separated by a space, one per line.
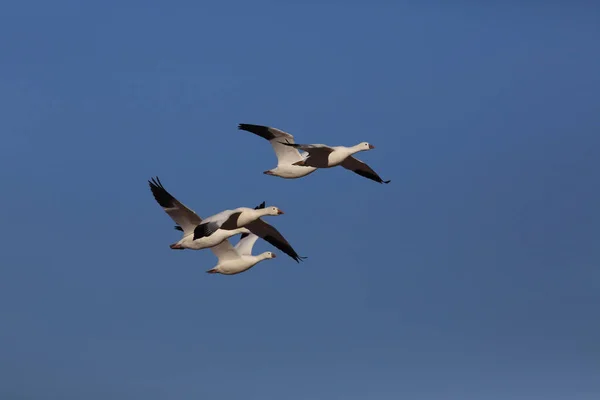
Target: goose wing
244 246
225 251
285 154
182 215
267 232
362 169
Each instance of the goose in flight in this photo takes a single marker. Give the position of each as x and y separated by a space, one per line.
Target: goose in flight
292 164
234 260
187 221
201 234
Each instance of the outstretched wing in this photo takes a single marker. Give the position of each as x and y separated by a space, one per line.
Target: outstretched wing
183 216
244 246
285 154
362 169
267 232
224 251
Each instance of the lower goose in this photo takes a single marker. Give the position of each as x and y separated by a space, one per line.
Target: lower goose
234 260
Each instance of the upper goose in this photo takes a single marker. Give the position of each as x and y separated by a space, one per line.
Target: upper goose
233 260
244 217
187 221
291 164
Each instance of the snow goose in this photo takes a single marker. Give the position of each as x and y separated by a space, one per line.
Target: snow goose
248 218
292 164
187 221
233 260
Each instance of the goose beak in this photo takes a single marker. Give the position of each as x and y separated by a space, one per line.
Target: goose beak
274 255
268 173
371 146
279 212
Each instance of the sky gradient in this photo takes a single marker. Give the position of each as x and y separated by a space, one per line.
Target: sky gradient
475 274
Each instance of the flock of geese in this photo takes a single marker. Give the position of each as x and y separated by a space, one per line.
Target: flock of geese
214 232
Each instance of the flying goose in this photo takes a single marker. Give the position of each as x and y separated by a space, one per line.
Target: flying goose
187 221
292 164
234 260
201 234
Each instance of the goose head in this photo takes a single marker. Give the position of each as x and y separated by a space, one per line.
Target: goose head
364 146
271 211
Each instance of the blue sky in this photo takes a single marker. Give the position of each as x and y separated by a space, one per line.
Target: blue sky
473 275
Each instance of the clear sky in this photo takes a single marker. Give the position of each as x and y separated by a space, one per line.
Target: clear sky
475 274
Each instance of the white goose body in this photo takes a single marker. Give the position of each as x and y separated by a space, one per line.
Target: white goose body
292 164
234 260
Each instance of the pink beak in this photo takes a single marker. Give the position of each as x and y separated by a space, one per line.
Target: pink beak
268 173
279 212
371 146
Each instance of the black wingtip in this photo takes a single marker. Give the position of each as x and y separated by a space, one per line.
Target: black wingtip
162 197
177 227
388 181
300 258
154 182
261 130
261 205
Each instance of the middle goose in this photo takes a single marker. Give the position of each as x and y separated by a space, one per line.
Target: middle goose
200 234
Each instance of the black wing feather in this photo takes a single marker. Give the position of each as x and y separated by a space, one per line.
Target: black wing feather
232 222
271 235
285 247
204 230
371 176
260 130
162 197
